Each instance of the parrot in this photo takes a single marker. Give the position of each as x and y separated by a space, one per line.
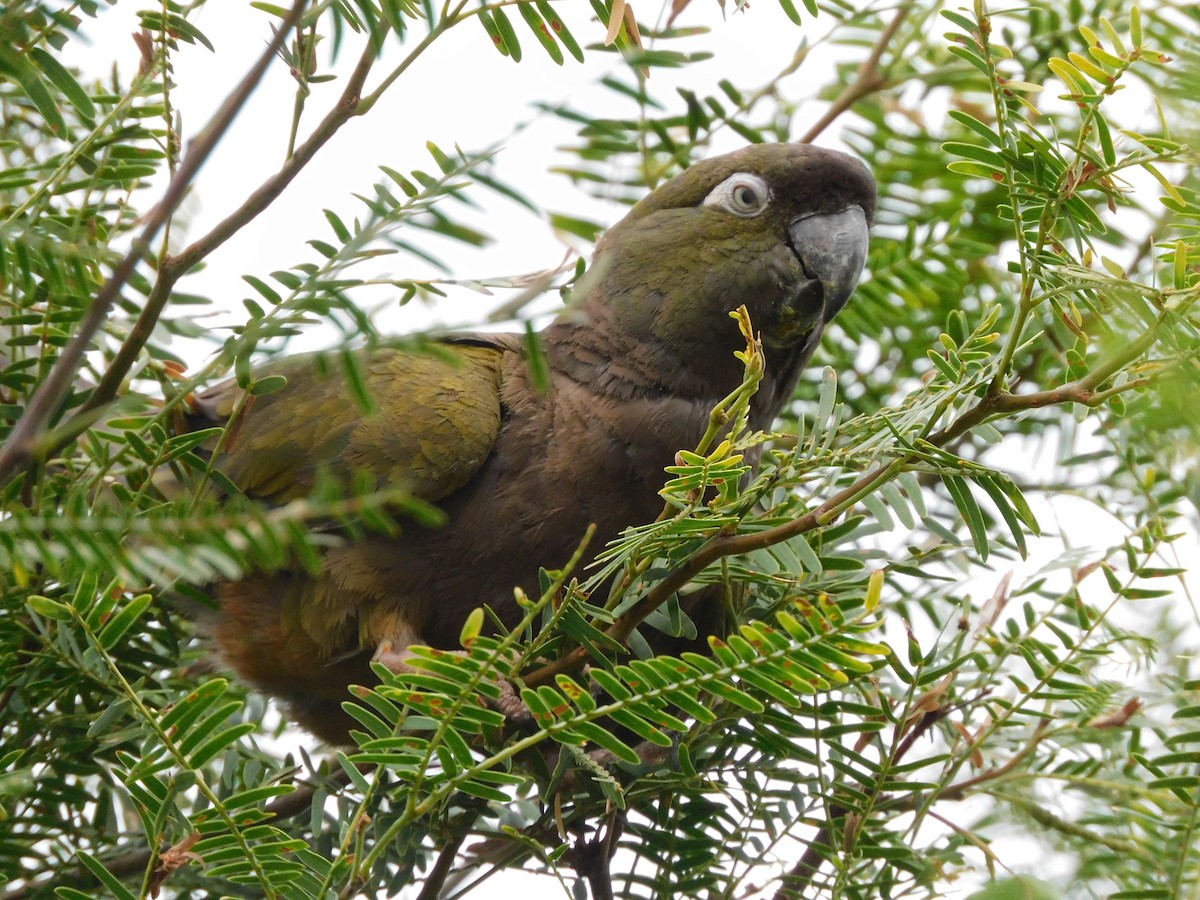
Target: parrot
521 466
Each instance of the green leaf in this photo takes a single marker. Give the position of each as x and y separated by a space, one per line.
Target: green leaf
489 25
960 493
590 731
339 228
507 35
209 725
472 628
1021 888
65 82
640 727
1000 499
943 365
178 26
559 29
1106 141
583 228
187 710
483 791
761 682
112 633
969 54
789 9
219 742
325 249
989 158
278 12
967 25
268 384
105 877
985 132
31 82
356 381
536 360
1019 504
610 684
541 31
47 608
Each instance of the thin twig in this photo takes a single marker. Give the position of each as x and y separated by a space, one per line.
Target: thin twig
1085 391
802 874
867 81
174 267
22 443
127 864
963 788
436 880
805 870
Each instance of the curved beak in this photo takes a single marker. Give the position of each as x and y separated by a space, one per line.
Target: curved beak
832 247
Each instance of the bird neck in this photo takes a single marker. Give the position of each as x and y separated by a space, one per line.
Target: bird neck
612 364
615 364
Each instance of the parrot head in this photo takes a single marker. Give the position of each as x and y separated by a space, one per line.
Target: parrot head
780 228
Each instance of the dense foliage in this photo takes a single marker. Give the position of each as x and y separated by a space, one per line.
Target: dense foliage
907 707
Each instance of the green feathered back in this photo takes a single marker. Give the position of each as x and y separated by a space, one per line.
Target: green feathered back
434 422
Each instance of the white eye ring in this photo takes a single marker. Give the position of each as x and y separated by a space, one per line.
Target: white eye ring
743 194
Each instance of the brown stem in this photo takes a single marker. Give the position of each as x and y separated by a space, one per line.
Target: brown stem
801 875
963 788
174 267
718 547
867 81
1085 391
805 870
436 880
591 860
128 864
346 108
23 441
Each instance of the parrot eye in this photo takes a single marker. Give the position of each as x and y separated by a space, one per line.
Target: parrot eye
743 194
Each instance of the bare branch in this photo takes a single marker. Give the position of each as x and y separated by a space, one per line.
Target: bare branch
436 879
22 443
867 81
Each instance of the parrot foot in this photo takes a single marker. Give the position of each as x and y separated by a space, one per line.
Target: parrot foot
396 658
510 702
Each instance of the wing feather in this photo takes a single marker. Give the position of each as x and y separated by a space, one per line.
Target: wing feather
435 421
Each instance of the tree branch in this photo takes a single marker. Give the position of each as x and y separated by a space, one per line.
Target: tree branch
22 443
1085 391
867 81
806 868
436 880
963 788
174 267
127 864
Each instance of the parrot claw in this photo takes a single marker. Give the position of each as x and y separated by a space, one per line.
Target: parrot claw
509 703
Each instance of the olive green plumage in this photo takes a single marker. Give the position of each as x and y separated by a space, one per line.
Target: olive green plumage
431 443
636 362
